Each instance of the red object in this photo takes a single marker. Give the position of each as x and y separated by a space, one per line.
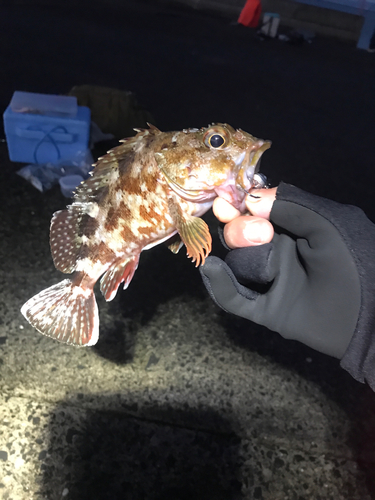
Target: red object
250 14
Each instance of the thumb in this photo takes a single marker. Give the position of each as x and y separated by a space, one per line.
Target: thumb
248 230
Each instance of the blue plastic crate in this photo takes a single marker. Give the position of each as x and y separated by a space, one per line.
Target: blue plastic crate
41 132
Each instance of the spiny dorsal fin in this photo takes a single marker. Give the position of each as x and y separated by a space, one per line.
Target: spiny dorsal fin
106 169
105 173
152 127
142 132
96 187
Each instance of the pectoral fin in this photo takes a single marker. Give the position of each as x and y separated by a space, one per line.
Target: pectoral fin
175 243
194 233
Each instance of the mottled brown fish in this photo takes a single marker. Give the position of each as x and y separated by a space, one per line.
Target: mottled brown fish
141 193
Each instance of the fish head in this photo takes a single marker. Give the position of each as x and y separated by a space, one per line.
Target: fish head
200 165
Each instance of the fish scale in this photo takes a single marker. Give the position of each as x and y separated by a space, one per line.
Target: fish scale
153 186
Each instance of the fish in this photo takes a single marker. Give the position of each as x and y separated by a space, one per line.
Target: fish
152 188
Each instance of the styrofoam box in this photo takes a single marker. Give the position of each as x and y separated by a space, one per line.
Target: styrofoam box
44 129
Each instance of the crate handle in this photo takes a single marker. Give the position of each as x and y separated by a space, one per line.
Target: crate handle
53 136
27 133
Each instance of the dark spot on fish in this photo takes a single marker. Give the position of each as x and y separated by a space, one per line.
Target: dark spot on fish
130 184
124 211
85 251
145 230
104 254
127 235
151 182
101 194
143 212
149 214
88 225
125 163
115 214
111 220
148 140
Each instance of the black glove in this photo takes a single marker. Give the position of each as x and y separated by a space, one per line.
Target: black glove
315 282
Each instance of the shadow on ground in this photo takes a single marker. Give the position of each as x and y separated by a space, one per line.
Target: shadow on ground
104 455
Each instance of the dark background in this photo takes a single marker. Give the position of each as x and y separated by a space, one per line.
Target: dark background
188 68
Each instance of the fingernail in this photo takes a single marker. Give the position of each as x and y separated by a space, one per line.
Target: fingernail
256 232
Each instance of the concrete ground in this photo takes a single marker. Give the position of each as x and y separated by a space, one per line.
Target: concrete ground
179 400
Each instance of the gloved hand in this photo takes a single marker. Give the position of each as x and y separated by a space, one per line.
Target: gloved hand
315 281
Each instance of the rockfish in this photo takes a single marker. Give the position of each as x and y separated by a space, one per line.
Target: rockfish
140 194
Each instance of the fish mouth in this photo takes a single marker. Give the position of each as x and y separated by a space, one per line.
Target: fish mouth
245 176
249 165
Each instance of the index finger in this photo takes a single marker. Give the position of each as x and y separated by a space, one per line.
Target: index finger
224 211
259 204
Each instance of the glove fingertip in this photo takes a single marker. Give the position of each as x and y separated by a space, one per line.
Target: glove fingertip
251 264
209 270
223 286
211 264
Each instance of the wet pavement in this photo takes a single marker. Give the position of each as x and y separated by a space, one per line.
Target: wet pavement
179 400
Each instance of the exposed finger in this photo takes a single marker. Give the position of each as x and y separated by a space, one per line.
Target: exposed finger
261 201
224 211
247 230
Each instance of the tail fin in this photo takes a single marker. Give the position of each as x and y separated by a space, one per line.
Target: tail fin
65 312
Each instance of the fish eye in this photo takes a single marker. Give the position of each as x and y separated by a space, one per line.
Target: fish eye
215 140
